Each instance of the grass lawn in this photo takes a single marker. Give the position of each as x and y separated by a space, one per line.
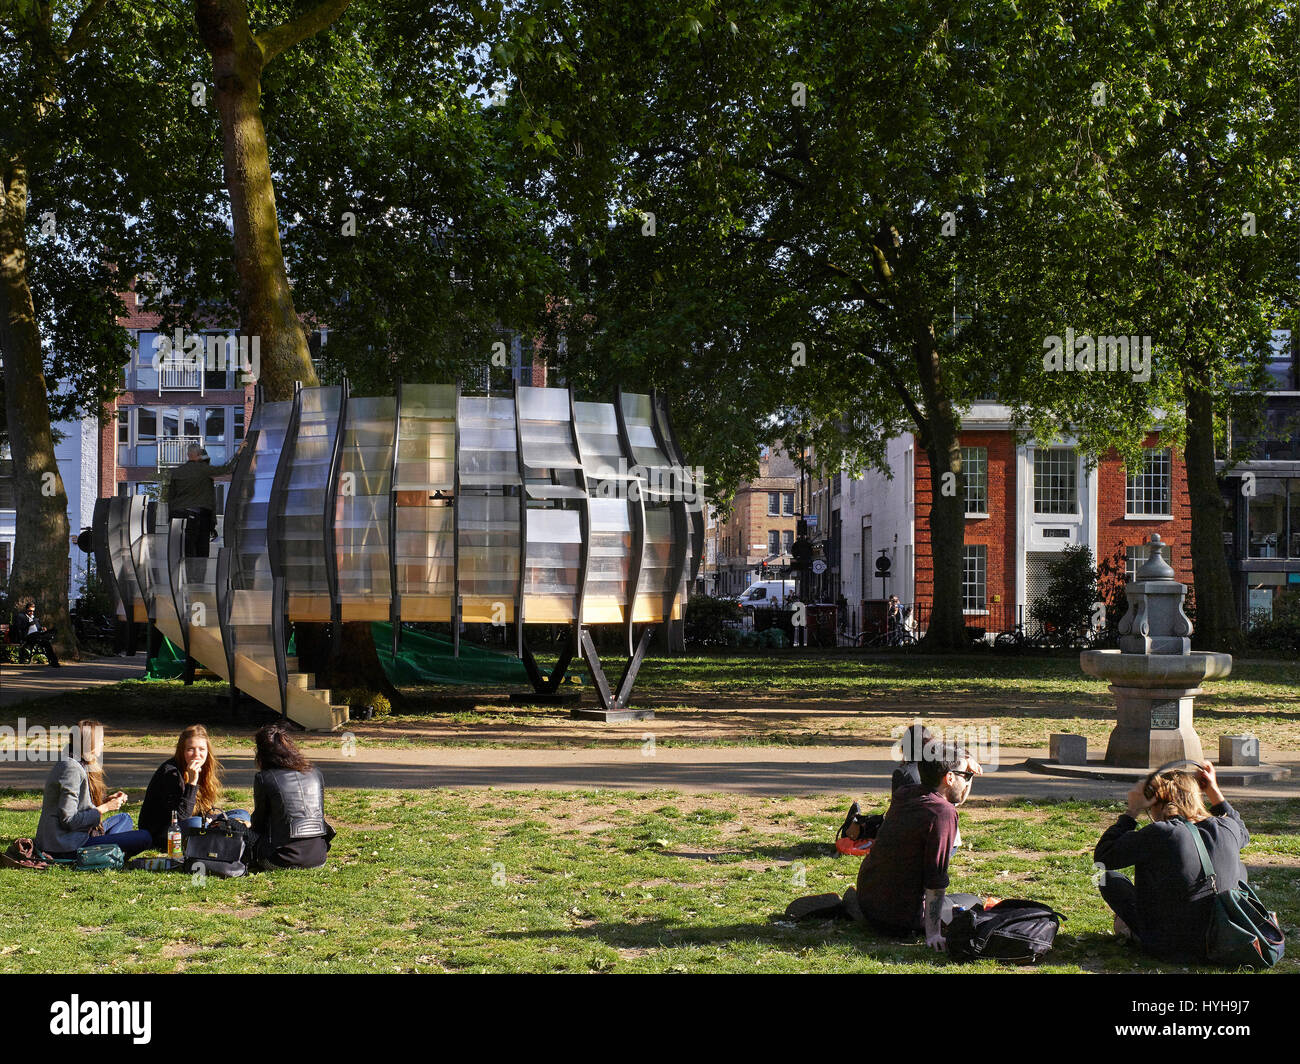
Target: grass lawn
587 881
755 698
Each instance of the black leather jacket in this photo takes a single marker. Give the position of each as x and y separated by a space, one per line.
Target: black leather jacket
289 805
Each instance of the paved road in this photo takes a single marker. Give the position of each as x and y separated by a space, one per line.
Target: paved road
738 770
22 683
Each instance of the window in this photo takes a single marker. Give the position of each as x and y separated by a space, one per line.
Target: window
1134 559
123 427
1266 519
974 468
214 424
1150 491
239 423
787 538
773 542
973 581
789 504
146 425
1056 483
907 477
773 504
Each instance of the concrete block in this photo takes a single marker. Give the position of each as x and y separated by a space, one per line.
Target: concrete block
1067 749
1238 750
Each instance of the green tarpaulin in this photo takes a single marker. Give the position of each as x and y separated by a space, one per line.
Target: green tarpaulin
428 659
168 663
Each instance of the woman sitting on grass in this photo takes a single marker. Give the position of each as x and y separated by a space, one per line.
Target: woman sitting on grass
289 828
187 784
76 811
1156 909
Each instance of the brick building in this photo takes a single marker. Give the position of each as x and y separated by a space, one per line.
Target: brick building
165 407
758 531
1024 502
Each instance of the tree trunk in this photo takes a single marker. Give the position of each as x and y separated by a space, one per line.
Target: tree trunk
265 299
941 437
41 540
266 308
1216 625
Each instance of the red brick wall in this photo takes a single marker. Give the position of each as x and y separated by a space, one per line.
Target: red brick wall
997 531
1115 532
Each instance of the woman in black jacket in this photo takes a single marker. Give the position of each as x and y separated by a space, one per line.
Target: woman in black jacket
187 783
1165 908
289 828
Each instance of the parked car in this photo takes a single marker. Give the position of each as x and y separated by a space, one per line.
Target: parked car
766 594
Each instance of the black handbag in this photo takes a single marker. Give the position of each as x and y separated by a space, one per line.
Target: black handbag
220 846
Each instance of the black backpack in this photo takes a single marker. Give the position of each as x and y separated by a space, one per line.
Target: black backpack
220 847
1013 930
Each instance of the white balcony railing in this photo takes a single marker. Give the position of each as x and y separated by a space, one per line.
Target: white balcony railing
180 376
172 450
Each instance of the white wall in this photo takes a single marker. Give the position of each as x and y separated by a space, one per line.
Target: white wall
77 456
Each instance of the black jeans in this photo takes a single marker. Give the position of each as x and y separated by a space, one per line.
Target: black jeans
1118 891
950 902
198 531
44 641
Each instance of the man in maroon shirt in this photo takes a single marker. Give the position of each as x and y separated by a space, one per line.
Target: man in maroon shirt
903 881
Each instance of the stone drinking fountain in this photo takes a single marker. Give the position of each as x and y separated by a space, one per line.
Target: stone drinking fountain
1155 675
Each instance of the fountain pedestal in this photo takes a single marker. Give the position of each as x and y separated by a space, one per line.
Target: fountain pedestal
1154 695
1155 677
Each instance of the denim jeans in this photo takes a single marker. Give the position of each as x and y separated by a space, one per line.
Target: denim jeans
119 830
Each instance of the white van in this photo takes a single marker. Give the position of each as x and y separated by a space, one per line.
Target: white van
766 594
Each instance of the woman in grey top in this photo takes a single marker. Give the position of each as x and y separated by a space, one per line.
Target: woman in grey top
75 811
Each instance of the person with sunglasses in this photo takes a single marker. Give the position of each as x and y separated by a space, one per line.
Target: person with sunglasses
1163 908
902 884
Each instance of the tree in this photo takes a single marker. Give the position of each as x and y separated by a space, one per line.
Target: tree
401 234
1195 137
1065 608
76 94
824 218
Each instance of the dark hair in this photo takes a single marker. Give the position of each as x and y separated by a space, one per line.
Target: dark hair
914 741
276 750
937 760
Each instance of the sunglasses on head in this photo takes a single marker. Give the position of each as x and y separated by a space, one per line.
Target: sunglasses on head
1149 788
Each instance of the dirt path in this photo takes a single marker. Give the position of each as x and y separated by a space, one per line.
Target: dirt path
738 770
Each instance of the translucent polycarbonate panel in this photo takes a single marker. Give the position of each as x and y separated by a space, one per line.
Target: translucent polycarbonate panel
656 563
637 415
426 438
553 560
306 492
488 555
609 550
553 526
598 440
361 532
119 550
545 429
662 479
488 452
159 561
247 513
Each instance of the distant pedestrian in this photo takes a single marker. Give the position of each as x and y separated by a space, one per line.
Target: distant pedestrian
192 495
798 621
34 637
